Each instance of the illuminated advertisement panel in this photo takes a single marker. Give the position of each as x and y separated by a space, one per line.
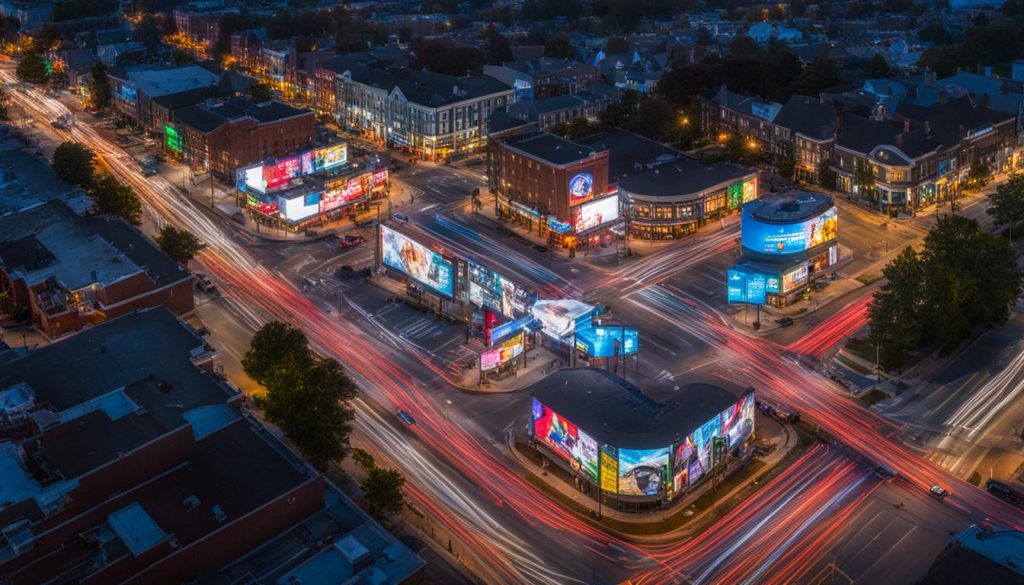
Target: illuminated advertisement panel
415 260
329 157
641 471
794 278
596 213
300 208
609 469
738 421
490 290
343 194
380 178
750 190
703 441
581 188
603 342
282 171
789 238
505 353
735 195
681 465
565 440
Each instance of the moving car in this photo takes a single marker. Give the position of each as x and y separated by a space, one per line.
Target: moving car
938 492
406 417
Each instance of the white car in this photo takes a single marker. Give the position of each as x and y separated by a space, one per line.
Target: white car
939 492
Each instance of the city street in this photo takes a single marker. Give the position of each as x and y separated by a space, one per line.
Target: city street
456 458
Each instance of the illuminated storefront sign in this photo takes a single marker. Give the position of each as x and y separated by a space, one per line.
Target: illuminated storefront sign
173 138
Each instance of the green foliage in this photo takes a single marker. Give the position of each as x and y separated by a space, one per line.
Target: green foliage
306 394
260 92
73 163
441 57
864 179
363 458
383 491
786 162
180 244
878 67
32 69
559 46
933 32
826 176
646 115
977 175
497 49
100 86
74 9
575 129
963 279
1007 203
147 32
112 197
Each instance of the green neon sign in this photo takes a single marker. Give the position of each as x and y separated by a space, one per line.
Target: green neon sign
173 140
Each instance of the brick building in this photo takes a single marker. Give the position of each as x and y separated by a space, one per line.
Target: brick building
125 460
61 271
226 135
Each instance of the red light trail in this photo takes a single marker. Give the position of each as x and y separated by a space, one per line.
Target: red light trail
850 319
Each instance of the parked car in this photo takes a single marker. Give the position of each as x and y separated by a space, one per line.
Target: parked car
784 321
401 217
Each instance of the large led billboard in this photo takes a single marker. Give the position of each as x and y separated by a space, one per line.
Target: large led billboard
599 212
738 421
745 285
581 188
496 357
641 472
329 157
604 342
417 261
492 291
770 238
681 456
282 171
342 194
565 440
703 442
609 469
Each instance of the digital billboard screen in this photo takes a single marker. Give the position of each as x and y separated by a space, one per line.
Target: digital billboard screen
641 472
509 350
490 290
738 421
328 157
703 441
581 188
604 342
746 285
789 238
609 469
591 215
417 261
565 439
681 457
342 194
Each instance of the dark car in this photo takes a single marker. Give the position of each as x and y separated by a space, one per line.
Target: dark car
406 417
784 321
400 217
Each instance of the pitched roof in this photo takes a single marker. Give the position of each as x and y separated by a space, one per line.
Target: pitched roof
863 135
949 120
746 105
807 116
551 148
207 117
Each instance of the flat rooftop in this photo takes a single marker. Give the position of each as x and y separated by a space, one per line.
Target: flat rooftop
789 207
158 82
27 180
551 149
617 413
682 179
629 153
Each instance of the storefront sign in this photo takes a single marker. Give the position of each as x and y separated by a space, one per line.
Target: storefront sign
562 227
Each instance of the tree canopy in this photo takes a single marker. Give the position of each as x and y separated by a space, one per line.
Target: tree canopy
110 196
260 92
32 69
307 395
100 86
73 163
1007 203
440 56
180 245
383 490
963 279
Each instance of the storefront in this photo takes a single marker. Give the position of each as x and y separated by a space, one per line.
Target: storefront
677 198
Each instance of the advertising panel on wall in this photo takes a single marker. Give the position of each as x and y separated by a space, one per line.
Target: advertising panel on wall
596 213
565 440
703 441
326 158
738 421
559 318
682 455
609 469
641 472
750 190
505 330
795 278
509 350
604 342
282 171
416 261
342 194
581 188
770 238
490 290
746 285
299 208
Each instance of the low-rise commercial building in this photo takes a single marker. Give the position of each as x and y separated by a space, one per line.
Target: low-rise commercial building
787 239
61 271
432 116
133 90
223 136
640 449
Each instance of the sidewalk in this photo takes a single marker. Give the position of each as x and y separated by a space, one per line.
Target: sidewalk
684 512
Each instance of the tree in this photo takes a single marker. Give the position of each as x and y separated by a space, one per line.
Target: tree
497 50
100 86
180 244
112 197
933 32
275 353
977 175
440 57
306 395
576 128
559 46
404 34
147 32
878 67
1007 203
893 312
616 46
260 92
786 162
864 179
73 163
826 176
383 490
32 69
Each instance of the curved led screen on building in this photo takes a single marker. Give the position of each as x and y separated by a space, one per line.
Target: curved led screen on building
565 440
417 261
771 238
